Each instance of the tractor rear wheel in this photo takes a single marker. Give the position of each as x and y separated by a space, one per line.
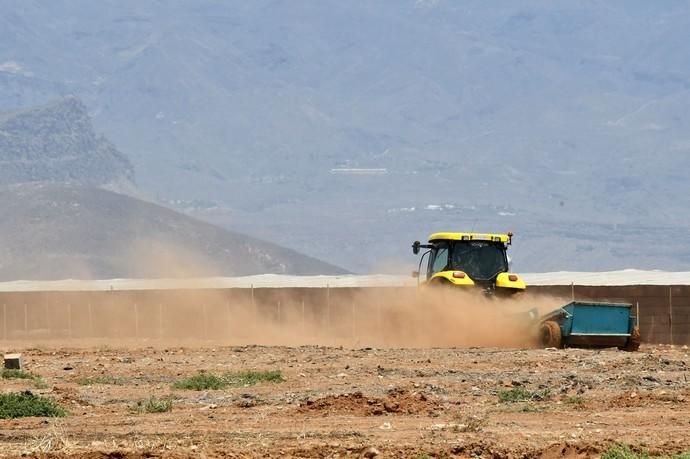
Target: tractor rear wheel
550 334
633 343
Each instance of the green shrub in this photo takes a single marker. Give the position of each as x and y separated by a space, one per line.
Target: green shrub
155 405
16 374
201 382
522 394
622 452
208 381
531 408
625 452
97 380
39 383
26 404
249 378
575 400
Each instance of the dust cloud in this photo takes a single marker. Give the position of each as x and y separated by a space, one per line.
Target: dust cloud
351 317
406 318
368 317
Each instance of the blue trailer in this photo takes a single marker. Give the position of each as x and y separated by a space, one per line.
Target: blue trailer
591 325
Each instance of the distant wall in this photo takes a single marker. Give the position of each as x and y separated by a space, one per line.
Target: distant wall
664 310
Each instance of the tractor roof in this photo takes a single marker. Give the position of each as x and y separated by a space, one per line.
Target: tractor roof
505 238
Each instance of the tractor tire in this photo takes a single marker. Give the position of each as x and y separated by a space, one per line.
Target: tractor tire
550 334
633 344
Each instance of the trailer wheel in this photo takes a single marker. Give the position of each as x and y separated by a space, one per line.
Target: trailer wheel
633 343
550 334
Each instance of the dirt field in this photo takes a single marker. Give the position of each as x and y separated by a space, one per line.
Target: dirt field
342 402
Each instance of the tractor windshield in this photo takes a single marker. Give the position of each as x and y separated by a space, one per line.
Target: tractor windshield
481 260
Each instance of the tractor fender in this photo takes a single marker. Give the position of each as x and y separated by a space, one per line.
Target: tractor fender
504 280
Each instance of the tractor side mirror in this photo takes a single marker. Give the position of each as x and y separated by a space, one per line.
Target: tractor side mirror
415 274
415 247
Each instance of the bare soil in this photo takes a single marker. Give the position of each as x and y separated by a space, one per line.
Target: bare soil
347 402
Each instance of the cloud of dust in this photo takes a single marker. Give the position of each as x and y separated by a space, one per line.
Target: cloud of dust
376 317
369 317
402 318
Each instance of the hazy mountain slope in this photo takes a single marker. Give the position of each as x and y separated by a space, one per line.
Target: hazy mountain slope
563 122
52 231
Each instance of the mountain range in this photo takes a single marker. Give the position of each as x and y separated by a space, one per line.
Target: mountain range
62 231
61 217
564 122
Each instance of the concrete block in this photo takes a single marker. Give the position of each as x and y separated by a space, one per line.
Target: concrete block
13 361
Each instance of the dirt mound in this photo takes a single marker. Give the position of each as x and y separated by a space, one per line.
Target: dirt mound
567 451
641 399
397 401
488 448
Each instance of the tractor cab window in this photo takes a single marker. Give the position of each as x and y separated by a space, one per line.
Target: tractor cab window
438 260
481 260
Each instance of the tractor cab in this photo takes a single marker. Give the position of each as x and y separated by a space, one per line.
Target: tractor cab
469 260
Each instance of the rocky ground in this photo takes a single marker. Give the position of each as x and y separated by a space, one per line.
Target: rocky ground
341 402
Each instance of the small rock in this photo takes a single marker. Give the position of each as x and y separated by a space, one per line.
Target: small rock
386 426
438 426
370 452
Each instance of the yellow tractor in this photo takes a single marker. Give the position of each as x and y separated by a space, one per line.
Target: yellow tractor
468 260
472 260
